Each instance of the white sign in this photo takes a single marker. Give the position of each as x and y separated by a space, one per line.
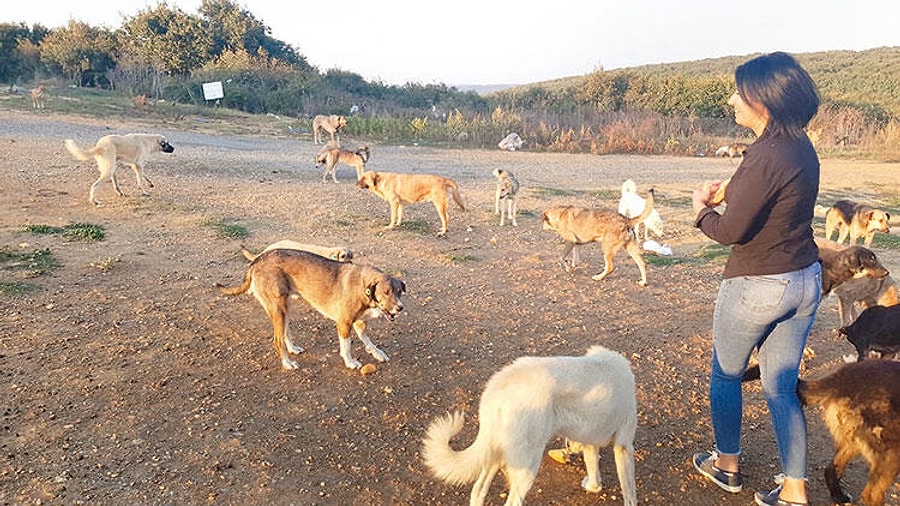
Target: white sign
213 91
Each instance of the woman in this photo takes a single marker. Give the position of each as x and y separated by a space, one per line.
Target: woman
772 281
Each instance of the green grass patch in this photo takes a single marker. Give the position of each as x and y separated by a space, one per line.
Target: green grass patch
33 264
542 191
227 230
16 289
416 227
712 252
666 261
886 241
74 231
680 201
607 194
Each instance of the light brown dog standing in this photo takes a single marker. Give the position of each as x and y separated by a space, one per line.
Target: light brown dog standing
399 189
331 156
346 293
37 97
578 225
331 124
131 149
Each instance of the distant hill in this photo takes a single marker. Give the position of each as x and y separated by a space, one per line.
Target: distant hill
861 78
484 89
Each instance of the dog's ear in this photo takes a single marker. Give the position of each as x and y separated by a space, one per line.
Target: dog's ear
887 217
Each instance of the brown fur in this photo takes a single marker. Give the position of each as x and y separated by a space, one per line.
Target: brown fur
331 156
37 97
131 149
506 197
861 406
346 293
841 264
337 253
400 189
577 226
854 221
331 124
733 150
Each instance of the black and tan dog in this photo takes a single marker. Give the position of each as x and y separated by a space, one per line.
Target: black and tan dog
861 408
400 189
346 293
330 156
876 333
579 225
854 220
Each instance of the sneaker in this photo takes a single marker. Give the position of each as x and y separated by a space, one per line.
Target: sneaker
730 482
770 498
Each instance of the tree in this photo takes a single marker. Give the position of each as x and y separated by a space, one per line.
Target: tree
81 51
19 57
168 39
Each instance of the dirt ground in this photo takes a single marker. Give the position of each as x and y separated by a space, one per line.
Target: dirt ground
128 379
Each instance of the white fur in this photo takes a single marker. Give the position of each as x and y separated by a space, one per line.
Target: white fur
511 142
588 399
631 204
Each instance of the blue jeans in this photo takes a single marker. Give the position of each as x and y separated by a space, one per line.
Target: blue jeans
774 313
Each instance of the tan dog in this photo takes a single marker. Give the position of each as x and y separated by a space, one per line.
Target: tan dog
855 220
337 253
507 195
589 399
131 149
346 293
37 97
578 225
400 189
331 156
331 124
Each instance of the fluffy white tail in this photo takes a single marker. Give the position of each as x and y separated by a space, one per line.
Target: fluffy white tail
453 467
76 151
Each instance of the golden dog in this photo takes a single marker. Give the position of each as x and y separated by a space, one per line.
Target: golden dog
331 156
346 293
578 225
37 97
854 221
733 150
338 253
131 149
331 124
399 189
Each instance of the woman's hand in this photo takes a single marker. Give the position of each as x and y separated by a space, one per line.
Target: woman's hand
701 196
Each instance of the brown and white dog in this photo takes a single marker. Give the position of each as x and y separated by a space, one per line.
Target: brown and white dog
346 293
589 399
332 155
733 150
131 149
856 276
854 220
579 225
331 124
400 189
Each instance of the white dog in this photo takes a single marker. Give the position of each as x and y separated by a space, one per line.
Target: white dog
589 399
631 204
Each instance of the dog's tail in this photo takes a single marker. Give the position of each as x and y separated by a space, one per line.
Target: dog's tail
248 254
454 191
648 208
236 290
447 464
77 152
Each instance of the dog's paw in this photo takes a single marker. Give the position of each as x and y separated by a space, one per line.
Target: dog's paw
352 363
590 486
642 283
378 354
293 348
288 364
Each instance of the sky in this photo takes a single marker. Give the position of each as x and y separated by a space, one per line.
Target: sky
468 42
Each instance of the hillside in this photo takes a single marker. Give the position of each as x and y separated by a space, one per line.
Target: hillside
861 78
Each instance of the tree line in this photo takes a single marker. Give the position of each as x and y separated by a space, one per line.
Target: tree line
165 53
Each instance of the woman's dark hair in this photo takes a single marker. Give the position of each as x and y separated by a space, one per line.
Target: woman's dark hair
777 82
